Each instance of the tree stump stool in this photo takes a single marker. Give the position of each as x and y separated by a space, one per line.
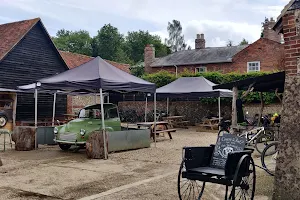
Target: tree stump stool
95 145
24 138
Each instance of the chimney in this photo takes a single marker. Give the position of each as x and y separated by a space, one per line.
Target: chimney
268 31
149 57
200 41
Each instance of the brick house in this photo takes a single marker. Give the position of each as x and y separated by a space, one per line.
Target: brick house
27 54
265 54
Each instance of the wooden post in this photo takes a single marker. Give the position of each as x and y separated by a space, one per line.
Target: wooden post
234 111
262 105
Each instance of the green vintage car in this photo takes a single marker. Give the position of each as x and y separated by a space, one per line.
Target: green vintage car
77 131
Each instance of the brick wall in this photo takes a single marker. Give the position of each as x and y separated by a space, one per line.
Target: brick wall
291 43
268 52
149 56
75 103
220 67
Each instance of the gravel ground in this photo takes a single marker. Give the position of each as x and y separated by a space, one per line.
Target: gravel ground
50 173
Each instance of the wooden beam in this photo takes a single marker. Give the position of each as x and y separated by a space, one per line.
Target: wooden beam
277 95
234 110
250 89
262 105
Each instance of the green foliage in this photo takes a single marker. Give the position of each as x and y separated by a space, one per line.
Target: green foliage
109 43
163 78
138 70
160 78
244 42
73 41
136 42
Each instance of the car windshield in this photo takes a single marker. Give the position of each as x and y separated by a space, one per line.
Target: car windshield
96 113
90 113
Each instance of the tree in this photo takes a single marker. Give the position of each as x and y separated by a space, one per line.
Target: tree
244 42
73 41
138 70
136 41
176 39
109 44
189 47
229 43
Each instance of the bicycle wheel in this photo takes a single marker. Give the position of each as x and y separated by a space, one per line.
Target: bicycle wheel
264 140
188 189
268 158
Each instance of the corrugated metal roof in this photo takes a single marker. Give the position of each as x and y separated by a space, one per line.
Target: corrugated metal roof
199 56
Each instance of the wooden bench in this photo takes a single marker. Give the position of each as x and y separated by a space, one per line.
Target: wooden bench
169 131
211 126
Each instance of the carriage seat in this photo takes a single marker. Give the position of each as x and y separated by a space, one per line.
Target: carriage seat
208 170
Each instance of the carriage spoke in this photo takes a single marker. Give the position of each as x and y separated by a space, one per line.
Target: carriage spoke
184 192
193 191
187 181
189 192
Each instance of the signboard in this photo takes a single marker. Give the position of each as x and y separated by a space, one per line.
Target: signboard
226 144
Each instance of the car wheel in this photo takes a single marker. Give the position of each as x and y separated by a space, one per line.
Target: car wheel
64 147
3 120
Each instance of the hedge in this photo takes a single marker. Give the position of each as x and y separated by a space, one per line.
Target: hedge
162 78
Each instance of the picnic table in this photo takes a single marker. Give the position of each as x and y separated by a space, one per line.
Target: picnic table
150 125
177 121
210 123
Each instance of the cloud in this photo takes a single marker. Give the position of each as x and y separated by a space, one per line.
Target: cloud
219 20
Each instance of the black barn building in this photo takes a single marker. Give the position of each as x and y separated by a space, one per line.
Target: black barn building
27 54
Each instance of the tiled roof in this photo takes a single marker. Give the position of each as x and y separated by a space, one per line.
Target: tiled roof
199 56
75 59
12 33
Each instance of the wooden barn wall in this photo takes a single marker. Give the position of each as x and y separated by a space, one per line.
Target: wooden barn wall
33 58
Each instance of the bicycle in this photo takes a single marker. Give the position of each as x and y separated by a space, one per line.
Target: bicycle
269 156
257 135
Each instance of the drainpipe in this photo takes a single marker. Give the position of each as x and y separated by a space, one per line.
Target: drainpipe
175 70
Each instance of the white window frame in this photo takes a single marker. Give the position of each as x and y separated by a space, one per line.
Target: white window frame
202 67
253 62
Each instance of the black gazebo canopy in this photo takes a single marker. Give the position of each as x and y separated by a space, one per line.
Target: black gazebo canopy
265 83
192 87
92 75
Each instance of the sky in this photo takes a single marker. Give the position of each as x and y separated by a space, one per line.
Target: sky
219 20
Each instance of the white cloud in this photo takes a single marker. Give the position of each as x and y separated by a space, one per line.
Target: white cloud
219 20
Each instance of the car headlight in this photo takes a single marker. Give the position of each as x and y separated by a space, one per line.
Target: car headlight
82 131
55 130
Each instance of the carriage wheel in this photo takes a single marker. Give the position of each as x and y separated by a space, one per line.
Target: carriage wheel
244 187
189 189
